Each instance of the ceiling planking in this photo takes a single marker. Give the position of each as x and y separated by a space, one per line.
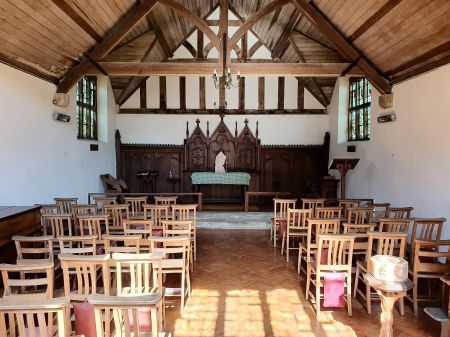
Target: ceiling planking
400 38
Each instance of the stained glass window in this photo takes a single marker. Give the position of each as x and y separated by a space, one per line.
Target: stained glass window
359 109
87 108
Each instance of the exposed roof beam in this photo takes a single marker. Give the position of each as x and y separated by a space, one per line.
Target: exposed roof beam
190 48
284 38
251 21
385 9
231 23
346 49
195 19
422 69
205 68
115 35
153 20
27 69
253 49
226 111
73 14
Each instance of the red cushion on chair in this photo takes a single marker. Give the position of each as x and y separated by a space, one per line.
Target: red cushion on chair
158 232
323 256
84 319
282 227
145 322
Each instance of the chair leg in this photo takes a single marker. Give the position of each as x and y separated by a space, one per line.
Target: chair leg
287 248
275 236
349 294
299 260
317 294
444 329
308 281
355 287
282 243
271 232
368 299
415 294
182 289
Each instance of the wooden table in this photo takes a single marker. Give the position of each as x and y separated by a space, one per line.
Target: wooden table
389 293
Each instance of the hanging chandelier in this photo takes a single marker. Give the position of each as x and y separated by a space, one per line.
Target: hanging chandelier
226 80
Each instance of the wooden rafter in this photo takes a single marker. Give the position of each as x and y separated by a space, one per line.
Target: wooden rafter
206 68
346 49
80 21
115 35
385 9
190 48
250 22
226 111
284 38
253 49
153 21
27 69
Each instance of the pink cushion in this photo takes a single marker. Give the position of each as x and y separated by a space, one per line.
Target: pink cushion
323 256
84 319
159 233
100 249
333 290
282 227
145 323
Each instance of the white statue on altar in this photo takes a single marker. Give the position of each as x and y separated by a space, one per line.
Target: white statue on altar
221 159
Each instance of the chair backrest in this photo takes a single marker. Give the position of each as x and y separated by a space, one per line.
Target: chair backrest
359 215
136 204
65 203
426 229
138 273
117 214
394 225
296 219
176 250
126 313
50 209
43 318
37 248
281 206
121 243
348 203
87 209
35 280
399 212
339 251
185 212
165 200
78 245
157 213
380 210
102 201
137 227
320 226
56 224
328 212
87 270
432 257
361 233
393 244
177 227
312 203
92 224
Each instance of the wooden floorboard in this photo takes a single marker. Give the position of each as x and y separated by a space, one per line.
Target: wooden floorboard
243 287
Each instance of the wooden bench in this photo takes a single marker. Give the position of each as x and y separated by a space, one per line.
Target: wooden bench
263 194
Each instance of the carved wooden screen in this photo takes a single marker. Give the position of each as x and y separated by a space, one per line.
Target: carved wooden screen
197 151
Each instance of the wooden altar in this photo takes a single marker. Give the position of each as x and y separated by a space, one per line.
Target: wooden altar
297 169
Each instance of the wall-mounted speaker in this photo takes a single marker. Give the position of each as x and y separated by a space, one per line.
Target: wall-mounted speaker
387 117
386 101
60 117
61 100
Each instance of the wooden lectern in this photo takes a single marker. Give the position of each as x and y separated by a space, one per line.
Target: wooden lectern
343 165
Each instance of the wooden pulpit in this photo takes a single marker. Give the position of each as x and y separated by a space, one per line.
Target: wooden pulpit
343 165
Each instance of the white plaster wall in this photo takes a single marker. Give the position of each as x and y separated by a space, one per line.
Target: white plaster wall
406 162
42 158
273 129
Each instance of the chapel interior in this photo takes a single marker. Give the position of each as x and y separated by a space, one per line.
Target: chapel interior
224 168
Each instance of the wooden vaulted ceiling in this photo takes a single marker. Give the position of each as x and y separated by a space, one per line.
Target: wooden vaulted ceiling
317 40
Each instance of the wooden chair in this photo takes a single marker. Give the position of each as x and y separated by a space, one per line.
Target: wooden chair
392 244
43 318
144 228
102 201
394 225
361 233
176 250
399 212
315 227
84 272
78 245
136 204
50 209
56 224
339 250
33 249
312 203
140 274
92 225
66 203
296 229
359 215
280 211
157 213
117 213
328 212
188 212
380 210
87 209
125 311
38 284
121 243
165 200
182 228
431 261
425 229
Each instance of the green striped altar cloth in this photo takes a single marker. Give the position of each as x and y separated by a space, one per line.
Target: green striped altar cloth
231 178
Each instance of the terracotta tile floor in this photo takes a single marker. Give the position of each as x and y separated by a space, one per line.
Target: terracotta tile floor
243 287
